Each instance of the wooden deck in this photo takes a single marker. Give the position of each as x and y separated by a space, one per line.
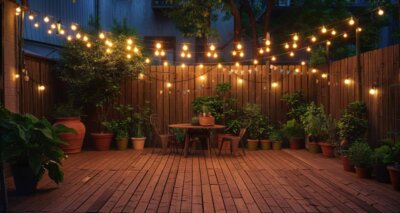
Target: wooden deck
262 181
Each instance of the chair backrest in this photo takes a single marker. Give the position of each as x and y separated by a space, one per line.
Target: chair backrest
155 124
242 132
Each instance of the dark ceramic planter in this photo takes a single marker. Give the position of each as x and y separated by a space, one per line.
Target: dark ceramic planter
381 174
296 143
24 179
347 165
363 172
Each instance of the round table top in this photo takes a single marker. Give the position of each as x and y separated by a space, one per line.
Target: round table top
190 126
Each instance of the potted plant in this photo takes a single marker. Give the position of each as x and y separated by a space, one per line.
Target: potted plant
314 122
252 117
120 129
264 130
381 158
394 168
352 126
69 116
93 77
276 137
360 154
331 143
295 133
32 147
205 117
141 126
297 105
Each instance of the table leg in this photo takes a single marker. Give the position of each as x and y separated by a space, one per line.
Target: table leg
185 149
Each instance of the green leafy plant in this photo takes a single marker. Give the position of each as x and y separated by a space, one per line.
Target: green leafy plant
293 129
296 103
264 128
252 117
179 134
360 154
27 141
353 123
118 127
141 123
233 126
66 110
388 153
332 131
314 121
276 135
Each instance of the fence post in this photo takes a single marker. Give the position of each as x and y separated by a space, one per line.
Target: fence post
358 65
3 189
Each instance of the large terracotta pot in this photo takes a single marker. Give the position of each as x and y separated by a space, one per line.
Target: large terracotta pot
327 149
314 147
266 144
295 143
394 177
138 143
347 165
102 141
73 141
164 139
122 143
252 145
277 145
363 172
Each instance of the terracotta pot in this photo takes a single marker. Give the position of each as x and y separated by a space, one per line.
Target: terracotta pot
74 141
381 174
347 165
138 143
327 149
314 147
252 145
266 144
295 143
226 146
206 120
394 177
102 141
363 172
164 142
122 143
277 145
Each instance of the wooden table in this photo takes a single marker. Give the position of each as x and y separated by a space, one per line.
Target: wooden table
190 126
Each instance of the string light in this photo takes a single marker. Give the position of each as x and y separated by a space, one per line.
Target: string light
53 26
201 66
78 36
219 65
147 61
136 50
323 30
69 38
62 32
88 45
297 70
261 51
183 65
128 48
287 46
255 61
291 54
239 46
328 43
74 27
295 37
303 63
347 81
128 56
324 75
169 85
274 84
129 41
49 31
381 12
165 63
267 49
212 47
36 25
46 19
314 70
294 45
18 11
359 29
16 76
313 39
108 51
273 58
373 91
333 32
203 78
240 81
268 42
345 35
141 76
185 51
351 21
158 45
102 36
85 38
41 87
31 17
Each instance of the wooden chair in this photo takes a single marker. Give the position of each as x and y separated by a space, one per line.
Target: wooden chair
165 140
231 139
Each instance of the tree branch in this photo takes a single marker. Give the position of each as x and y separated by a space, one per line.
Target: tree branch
253 26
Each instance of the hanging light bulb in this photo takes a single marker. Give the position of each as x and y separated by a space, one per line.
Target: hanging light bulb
185 47
219 65
234 53
333 32
209 54
297 70
147 61
237 64
53 26
291 54
240 81
345 35
261 51
328 43
373 91
267 49
239 46
273 58
201 66
294 45
128 56
129 41
41 87
183 65
46 19
18 10
36 25
128 48
274 84
88 45
296 37
314 70
303 63
188 55
347 81
183 55
255 61
49 31
287 46
313 39
268 42
381 12
85 38
241 54
136 50
74 27
69 38
351 21
108 51
169 85
359 29
212 47
31 17
102 36
156 53
323 29
308 49
158 45
162 53
324 75
165 63
202 77
62 32
215 55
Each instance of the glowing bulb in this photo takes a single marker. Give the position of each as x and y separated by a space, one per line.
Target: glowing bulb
237 64
69 38
324 75
215 55
108 51
294 45
297 70
85 38
162 53
49 31
46 19
208 54
381 12
169 85
17 76
212 47
261 51
359 29
78 36
141 76
202 77
53 26
31 17
287 46
295 37
128 47
234 53
314 71
188 55
41 87
18 10
185 47
240 81
267 42
255 61
156 53
323 30
183 65
328 43
147 61
102 36
274 84
74 27
347 81
333 32
136 50
267 49
88 45
291 54
62 32
345 35
239 46
129 41
351 21
128 56
158 45
201 66
308 49
273 58
109 43
313 39
303 63
36 25
241 54
373 91
165 63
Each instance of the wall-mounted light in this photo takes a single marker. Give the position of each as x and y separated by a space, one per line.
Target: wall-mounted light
347 81
274 84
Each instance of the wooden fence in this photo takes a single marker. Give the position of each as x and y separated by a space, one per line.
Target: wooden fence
250 84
